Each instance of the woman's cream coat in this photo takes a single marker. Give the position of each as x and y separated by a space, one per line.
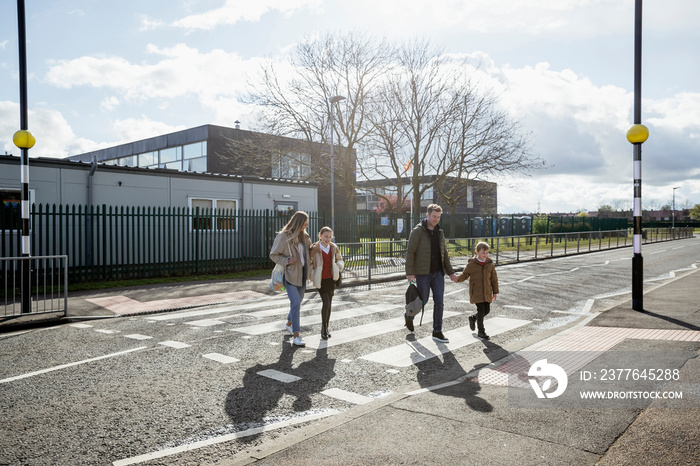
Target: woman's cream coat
317 263
281 248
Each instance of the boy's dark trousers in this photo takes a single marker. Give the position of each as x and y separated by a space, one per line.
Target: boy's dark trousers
482 310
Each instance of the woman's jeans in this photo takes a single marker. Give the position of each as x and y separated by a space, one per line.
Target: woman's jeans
296 296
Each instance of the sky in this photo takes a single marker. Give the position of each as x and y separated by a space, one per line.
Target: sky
102 73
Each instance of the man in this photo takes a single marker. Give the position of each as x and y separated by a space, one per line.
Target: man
427 263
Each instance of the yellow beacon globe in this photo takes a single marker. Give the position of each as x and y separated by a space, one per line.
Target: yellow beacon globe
637 134
24 139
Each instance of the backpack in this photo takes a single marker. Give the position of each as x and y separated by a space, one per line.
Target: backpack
414 302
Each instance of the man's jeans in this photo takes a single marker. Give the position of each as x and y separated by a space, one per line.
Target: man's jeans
436 283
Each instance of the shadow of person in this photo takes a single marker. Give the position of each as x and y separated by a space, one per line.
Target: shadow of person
440 374
262 395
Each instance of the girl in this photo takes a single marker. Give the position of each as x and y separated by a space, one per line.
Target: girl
327 265
291 249
483 286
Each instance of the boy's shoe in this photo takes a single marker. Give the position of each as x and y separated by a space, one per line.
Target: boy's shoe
289 329
409 323
472 323
483 336
299 342
438 336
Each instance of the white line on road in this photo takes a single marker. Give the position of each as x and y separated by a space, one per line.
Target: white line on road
224 438
345 395
138 336
222 358
174 344
360 332
270 327
279 376
412 352
204 312
525 308
64 366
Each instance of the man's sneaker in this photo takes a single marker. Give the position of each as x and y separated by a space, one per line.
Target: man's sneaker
438 336
472 323
409 323
482 335
299 342
289 329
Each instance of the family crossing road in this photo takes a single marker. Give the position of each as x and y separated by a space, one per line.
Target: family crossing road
225 381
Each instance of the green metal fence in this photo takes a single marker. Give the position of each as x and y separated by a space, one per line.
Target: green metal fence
116 243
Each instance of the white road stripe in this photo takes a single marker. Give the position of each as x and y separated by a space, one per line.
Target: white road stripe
345 395
224 438
373 329
205 322
525 308
204 312
412 352
138 336
222 358
108 332
80 325
261 329
64 366
174 344
279 376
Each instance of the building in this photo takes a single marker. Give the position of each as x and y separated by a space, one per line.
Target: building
57 181
233 151
475 197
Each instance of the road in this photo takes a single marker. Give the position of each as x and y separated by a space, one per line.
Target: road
197 386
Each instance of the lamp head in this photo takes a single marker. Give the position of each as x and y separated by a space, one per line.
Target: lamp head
336 99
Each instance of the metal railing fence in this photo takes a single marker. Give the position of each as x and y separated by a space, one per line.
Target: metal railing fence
368 260
48 285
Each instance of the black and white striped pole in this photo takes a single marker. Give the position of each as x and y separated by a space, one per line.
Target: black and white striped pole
637 134
24 140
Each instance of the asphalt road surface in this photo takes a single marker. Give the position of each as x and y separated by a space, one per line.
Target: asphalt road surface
197 386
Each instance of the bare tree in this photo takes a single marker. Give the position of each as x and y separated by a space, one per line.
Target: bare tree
294 99
431 124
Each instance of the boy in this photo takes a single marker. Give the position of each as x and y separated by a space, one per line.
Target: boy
483 286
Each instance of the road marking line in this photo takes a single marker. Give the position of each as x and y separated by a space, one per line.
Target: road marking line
222 358
345 395
279 376
260 329
204 312
205 322
108 332
224 438
360 332
138 336
525 308
64 366
174 344
80 325
413 352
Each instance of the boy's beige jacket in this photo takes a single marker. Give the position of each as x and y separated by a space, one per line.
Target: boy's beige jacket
483 280
317 263
281 248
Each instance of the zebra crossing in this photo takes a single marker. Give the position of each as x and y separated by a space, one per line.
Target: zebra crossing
243 320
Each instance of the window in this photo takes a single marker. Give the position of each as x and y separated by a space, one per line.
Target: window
213 214
129 161
286 208
11 216
170 155
148 159
293 166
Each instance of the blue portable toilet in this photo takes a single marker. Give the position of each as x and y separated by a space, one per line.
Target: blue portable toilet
504 226
477 227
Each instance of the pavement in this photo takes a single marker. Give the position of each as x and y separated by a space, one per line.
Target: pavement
472 414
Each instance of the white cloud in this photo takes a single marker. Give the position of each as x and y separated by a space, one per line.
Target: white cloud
134 129
234 11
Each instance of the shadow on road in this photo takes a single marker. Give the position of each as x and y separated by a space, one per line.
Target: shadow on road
262 399
445 368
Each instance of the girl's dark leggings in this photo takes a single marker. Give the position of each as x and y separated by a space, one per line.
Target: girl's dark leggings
482 310
327 299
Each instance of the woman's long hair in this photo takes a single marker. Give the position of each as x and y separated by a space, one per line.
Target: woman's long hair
295 225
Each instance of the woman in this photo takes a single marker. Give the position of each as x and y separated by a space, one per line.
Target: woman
291 249
327 265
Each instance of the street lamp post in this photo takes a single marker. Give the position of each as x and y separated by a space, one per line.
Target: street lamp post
673 211
333 100
637 134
